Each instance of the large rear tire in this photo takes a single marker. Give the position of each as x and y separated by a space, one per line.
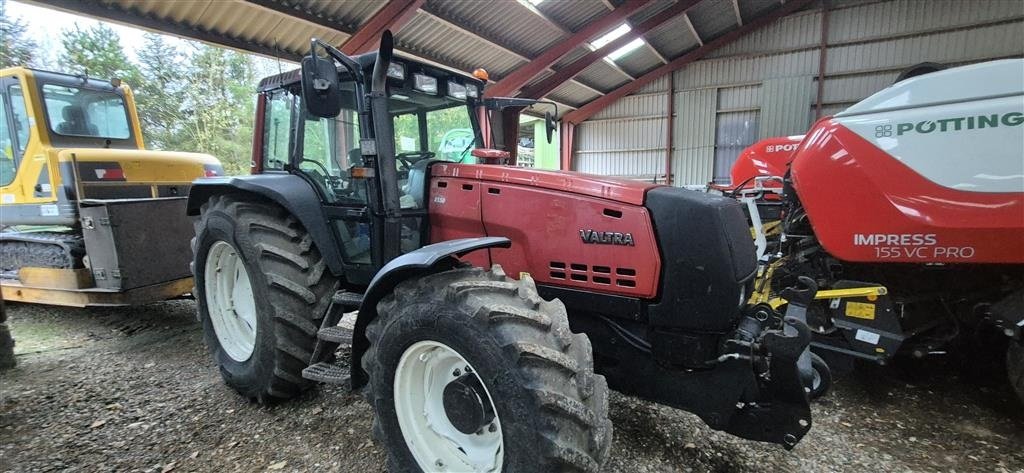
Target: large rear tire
529 402
262 290
1015 367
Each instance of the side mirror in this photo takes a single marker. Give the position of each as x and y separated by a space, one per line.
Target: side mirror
549 125
320 93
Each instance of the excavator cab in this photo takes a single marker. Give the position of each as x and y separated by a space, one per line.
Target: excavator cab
80 195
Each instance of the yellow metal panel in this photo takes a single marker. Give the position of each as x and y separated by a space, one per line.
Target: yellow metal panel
15 291
56 278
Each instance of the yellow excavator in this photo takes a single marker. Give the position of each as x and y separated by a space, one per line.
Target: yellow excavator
89 217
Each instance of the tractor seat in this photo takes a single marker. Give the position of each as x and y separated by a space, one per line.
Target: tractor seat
416 186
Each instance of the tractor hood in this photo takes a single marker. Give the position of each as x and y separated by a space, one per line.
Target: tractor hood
627 191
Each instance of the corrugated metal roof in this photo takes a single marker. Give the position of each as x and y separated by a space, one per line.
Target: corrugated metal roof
673 37
573 94
573 14
754 8
505 21
463 34
428 36
711 18
351 13
639 61
650 11
602 75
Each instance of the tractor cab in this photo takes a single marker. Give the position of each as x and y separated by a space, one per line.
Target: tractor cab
323 128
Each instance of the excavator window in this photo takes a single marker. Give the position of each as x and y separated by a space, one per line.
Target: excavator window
73 111
14 131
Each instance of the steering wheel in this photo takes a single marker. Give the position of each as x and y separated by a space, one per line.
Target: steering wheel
408 159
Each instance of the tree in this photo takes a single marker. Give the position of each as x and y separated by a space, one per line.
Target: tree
159 94
97 52
15 47
220 105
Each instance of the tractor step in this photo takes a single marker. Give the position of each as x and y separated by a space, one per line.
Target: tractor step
347 299
325 372
338 334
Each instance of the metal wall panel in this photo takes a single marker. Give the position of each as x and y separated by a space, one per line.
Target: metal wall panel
853 88
742 97
746 70
630 147
800 30
693 153
913 16
774 69
635 106
957 46
784 111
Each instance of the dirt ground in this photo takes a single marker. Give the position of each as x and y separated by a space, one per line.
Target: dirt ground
134 390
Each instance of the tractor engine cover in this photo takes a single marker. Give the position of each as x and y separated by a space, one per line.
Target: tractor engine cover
686 255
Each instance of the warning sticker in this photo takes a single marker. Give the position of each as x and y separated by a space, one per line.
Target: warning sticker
860 310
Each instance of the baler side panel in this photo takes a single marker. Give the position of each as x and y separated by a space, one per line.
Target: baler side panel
867 206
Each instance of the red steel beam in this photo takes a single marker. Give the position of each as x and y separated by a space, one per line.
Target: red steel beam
392 17
522 75
552 82
586 111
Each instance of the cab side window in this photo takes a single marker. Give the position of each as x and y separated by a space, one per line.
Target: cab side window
14 132
277 130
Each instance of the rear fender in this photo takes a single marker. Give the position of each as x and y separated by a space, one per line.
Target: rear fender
287 190
429 259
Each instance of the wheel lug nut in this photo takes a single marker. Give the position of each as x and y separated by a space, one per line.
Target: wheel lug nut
438 463
469 369
456 373
492 428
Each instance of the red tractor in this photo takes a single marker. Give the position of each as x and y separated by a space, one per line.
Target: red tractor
493 301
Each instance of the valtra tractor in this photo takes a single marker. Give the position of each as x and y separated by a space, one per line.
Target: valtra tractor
495 304
908 211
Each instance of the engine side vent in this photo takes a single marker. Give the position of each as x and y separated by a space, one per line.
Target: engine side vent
596 275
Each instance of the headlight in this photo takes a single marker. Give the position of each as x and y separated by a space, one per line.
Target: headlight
396 70
425 84
472 91
456 91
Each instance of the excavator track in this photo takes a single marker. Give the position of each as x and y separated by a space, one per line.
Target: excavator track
41 250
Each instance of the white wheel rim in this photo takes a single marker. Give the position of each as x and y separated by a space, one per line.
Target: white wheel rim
230 301
424 370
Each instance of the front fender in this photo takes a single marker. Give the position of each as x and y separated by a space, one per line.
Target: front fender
427 260
287 190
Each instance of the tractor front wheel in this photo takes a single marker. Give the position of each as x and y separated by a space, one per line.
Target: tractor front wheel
262 290
473 371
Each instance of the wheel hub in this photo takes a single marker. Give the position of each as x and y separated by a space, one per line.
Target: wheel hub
445 412
465 405
230 301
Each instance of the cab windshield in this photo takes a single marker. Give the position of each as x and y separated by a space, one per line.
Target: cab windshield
437 130
81 112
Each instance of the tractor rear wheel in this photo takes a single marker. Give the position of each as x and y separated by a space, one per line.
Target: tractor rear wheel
262 290
473 371
1015 367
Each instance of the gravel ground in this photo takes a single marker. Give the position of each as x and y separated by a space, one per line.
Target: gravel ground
134 390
